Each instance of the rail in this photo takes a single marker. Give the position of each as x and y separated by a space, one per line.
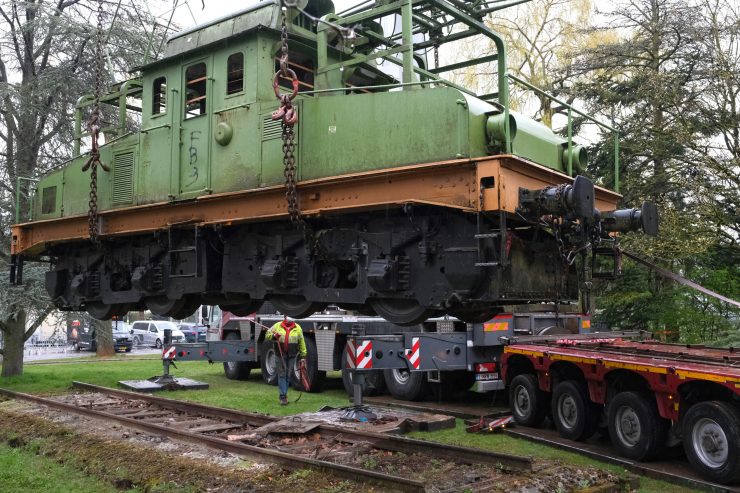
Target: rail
205 425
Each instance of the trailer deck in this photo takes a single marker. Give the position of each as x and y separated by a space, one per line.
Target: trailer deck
666 367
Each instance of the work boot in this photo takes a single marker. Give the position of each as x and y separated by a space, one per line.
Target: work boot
283 400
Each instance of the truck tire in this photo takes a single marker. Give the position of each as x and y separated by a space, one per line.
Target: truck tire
636 429
236 370
528 403
711 439
406 385
573 413
374 381
315 377
268 363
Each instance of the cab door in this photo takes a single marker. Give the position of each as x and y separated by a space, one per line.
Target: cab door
193 176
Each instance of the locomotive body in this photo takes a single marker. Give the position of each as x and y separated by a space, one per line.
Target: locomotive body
412 188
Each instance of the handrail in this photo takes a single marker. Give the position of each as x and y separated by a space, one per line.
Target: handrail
125 90
572 110
457 10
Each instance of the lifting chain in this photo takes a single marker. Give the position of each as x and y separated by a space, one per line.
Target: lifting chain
94 126
436 56
288 116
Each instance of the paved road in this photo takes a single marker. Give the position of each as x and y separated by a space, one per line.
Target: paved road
39 354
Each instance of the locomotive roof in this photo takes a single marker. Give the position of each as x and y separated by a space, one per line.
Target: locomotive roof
239 23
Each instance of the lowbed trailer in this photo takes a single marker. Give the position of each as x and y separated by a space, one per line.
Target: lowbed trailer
649 395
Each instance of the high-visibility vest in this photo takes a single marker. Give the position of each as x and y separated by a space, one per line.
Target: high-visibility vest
290 339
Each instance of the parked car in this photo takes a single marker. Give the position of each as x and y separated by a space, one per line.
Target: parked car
122 338
193 332
83 336
151 332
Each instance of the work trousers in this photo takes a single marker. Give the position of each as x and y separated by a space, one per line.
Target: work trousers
284 373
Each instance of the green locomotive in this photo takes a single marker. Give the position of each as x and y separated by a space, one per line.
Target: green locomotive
414 196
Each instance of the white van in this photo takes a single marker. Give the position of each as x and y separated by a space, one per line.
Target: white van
151 332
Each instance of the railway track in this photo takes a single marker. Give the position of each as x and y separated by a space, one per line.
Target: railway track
673 471
349 454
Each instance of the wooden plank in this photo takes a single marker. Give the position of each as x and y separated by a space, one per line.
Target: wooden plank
215 427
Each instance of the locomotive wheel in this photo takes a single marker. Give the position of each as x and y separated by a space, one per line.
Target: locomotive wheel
243 309
163 306
711 439
575 416
636 429
361 309
475 317
191 304
102 311
295 306
401 312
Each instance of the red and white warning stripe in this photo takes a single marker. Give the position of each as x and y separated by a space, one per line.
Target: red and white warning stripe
351 353
364 355
169 353
413 354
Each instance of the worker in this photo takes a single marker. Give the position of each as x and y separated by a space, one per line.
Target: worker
287 337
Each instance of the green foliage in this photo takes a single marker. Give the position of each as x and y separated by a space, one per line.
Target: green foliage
665 79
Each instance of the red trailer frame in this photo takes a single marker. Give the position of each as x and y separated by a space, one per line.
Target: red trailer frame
651 393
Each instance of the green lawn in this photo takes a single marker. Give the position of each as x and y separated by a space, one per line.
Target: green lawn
255 396
23 472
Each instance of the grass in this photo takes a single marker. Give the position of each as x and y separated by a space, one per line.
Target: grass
254 396
251 395
22 471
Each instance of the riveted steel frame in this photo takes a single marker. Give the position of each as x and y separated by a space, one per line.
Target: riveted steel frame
453 184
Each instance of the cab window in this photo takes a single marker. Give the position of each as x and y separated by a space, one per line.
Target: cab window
235 73
195 92
159 96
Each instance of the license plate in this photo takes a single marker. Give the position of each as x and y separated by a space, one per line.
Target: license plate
486 376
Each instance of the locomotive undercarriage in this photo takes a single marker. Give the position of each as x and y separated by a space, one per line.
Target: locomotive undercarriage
404 264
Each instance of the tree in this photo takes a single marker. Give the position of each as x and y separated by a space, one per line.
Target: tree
541 37
46 63
652 83
103 337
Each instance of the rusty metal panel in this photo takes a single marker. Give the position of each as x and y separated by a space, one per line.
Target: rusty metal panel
452 184
517 173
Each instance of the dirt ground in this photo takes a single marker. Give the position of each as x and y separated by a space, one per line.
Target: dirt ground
129 458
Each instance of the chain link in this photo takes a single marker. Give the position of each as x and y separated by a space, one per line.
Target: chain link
288 116
94 126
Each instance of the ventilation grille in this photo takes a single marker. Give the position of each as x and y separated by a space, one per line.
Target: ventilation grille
271 129
123 179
